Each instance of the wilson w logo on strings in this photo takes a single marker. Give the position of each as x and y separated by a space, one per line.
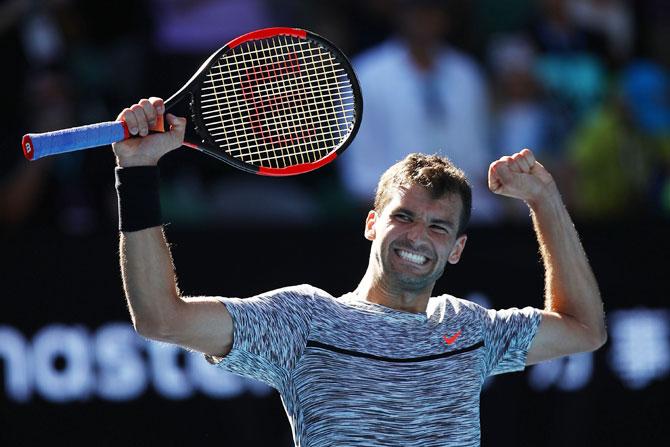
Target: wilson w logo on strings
270 94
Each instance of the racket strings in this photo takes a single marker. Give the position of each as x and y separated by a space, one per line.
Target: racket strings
236 122
278 102
214 103
270 109
222 78
306 120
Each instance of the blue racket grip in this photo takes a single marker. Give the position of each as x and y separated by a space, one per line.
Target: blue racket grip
38 145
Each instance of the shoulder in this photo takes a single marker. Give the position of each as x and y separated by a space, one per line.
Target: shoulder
298 292
292 302
456 304
453 307
302 297
463 306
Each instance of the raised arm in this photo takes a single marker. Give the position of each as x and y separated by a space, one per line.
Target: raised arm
573 319
156 307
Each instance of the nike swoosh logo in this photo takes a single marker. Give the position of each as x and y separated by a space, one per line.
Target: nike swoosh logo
453 338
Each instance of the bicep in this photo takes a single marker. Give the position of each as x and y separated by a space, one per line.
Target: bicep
202 324
558 335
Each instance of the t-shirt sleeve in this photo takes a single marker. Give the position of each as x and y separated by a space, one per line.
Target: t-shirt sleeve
508 334
269 333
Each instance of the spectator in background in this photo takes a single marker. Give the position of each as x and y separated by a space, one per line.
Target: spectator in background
32 44
64 73
653 49
556 31
520 117
23 187
568 68
495 17
420 94
622 154
611 21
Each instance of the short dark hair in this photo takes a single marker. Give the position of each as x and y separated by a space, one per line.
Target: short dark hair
435 173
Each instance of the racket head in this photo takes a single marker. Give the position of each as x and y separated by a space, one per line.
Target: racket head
277 101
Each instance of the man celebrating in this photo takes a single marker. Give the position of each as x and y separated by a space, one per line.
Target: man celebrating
386 364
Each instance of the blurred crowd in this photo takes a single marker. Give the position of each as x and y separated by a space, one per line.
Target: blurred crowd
584 83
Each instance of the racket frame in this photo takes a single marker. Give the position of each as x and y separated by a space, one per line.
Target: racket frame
192 88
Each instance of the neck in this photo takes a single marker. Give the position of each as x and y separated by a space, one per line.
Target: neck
374 289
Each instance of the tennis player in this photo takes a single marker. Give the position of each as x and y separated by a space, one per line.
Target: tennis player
386 364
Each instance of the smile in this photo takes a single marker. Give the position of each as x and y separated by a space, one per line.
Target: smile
414 258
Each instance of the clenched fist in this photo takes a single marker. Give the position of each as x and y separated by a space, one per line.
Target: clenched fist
520 176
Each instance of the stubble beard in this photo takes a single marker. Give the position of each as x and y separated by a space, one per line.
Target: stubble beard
405 281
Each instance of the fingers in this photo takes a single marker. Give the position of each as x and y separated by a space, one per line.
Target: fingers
143 116
529 156
158 104
159 108
519 176
520 162
512 162
502 170
141 120
494 181
499 174
128 117
149 111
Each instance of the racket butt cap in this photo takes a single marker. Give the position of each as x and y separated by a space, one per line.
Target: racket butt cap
28 147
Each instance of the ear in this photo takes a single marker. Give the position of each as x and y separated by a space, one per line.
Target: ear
457 250
370 232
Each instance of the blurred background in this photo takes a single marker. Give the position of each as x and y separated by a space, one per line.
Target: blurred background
584 83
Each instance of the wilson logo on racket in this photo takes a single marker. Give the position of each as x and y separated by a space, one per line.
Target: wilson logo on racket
262 106
277 101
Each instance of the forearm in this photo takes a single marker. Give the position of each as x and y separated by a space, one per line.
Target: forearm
571 288
149 281
156 307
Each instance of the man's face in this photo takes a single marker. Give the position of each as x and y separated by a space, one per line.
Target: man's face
415 236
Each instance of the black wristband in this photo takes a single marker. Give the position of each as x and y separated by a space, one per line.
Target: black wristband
137 189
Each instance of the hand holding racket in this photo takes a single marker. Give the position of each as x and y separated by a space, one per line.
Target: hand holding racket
141 119
278 101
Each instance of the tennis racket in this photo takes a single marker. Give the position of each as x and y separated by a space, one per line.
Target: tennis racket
277 101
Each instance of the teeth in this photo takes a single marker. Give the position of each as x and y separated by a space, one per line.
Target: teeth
417 259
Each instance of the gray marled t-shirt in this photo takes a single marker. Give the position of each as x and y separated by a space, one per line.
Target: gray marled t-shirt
354 373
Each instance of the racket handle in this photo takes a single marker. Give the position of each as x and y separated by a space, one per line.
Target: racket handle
38 145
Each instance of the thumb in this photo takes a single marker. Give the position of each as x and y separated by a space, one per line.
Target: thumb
177 127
